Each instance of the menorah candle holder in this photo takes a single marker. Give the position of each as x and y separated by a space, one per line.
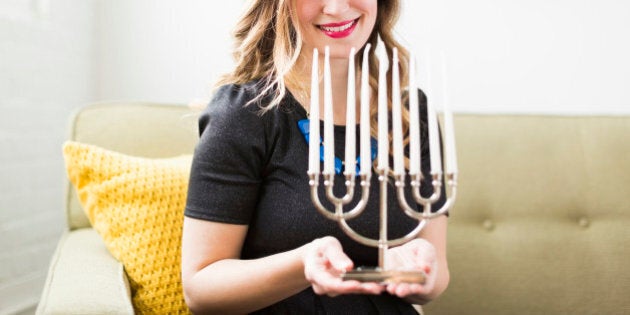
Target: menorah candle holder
382 273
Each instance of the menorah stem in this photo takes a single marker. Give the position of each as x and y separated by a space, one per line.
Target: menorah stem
382 243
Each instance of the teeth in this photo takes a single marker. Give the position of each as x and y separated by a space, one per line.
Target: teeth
337 28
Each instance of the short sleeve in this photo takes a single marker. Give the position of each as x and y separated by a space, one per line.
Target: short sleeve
228 160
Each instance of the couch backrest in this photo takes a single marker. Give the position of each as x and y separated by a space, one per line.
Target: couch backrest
139 129
542 220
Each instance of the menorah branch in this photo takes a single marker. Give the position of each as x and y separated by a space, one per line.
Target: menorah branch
337 213
329 182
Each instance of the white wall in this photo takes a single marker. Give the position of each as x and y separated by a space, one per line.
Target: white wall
536 56
539 56
153 50
45 72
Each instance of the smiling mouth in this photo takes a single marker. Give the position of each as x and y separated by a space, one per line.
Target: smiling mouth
338 27
341 29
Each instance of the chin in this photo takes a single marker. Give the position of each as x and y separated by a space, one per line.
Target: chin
339 50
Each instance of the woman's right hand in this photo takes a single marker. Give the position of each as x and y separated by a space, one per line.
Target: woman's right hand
324 262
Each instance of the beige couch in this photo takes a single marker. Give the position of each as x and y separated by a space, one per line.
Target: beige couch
541 225
83 277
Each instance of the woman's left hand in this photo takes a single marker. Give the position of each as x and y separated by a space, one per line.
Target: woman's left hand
418 254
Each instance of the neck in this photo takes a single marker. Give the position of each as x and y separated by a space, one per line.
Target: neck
339 81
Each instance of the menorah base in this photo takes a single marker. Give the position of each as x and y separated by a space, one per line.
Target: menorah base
384 276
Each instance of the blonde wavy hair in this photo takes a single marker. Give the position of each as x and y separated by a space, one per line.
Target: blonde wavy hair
268 44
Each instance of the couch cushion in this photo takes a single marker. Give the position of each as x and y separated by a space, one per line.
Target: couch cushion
136 205
541 224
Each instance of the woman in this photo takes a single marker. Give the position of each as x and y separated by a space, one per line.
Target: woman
253 241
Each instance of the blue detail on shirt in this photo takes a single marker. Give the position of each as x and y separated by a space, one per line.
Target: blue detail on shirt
304 126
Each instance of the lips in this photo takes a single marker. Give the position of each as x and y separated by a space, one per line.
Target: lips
339 29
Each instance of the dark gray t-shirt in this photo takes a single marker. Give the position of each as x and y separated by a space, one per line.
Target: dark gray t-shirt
251 169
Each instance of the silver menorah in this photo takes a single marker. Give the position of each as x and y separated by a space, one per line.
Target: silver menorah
381 273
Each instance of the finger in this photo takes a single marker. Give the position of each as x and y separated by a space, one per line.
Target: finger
334 288
402 290
348 287
405 289
417 289
391 288
318 289
338 259
330 282
315 268
372 288
330 249
324 277
324 284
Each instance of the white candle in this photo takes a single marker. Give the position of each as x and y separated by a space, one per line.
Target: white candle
366 146
329 142
313 145
414 123
399 166
351 121
451 155
383 136
434 137
434 140
449 132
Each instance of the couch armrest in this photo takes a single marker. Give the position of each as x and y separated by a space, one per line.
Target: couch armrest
84 278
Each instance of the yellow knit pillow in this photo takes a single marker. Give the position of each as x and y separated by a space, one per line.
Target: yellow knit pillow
136 205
